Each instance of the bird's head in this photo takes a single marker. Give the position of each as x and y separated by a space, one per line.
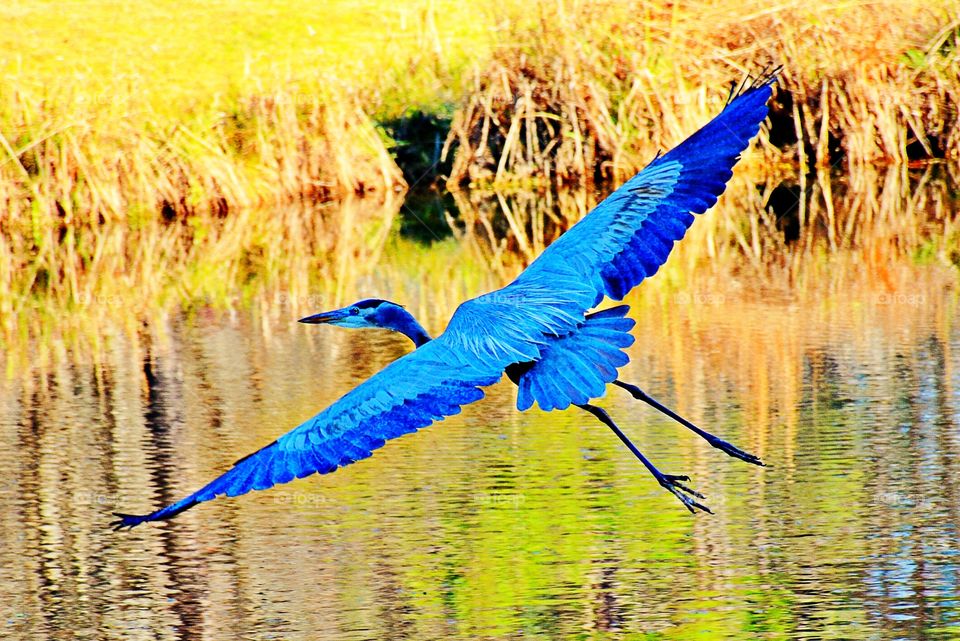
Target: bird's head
373 313
370 312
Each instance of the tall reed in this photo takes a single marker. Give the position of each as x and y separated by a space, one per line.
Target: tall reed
595 90
111 196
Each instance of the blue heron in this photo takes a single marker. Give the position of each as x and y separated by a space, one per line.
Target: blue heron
538 329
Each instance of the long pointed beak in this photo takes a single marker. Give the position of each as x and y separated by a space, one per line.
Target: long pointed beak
323 317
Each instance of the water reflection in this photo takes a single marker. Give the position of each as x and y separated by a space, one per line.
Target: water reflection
499 524
496 524
884 214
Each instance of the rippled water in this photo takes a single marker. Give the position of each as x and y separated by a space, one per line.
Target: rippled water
496 524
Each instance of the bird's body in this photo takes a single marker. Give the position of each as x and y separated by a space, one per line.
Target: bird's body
538 329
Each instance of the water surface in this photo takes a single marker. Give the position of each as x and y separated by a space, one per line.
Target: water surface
496 524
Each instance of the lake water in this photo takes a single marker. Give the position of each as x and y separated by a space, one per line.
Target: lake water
496 524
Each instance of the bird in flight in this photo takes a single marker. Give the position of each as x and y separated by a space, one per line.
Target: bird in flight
539 329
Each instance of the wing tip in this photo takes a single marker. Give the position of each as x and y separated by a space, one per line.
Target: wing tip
750 82
128 521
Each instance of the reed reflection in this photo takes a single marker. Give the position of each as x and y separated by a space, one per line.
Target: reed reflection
839 366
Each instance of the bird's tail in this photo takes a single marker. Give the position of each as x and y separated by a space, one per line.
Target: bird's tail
577 367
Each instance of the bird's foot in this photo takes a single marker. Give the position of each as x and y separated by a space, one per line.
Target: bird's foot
716 442
735 451
688 496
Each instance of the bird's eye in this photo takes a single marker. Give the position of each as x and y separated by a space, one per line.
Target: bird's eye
354 311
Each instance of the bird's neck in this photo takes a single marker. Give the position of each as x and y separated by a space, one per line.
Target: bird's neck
404 322
415 332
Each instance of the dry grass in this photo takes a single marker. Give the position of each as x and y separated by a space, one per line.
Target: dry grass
117 165
187 108
594 91
143 167
143 150
88 210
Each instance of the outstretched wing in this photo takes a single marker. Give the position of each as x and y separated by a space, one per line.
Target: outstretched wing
629 235
424 386
624 239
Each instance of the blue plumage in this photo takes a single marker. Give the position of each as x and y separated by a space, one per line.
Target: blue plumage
575 368
537 328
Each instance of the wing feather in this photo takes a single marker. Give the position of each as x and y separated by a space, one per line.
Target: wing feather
629 235
413 392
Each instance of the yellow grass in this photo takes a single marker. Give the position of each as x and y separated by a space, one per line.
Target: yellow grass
142 143
115 113
178 56
593 90
167 152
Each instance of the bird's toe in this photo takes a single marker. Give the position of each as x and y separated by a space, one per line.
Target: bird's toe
687 495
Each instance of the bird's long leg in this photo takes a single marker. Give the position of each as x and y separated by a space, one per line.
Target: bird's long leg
715 441
670 482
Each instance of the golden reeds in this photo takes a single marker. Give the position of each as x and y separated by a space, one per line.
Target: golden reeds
595 91
107 165
103 198
109 196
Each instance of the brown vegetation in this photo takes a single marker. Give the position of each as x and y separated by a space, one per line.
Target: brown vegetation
594 93
87 204
113 200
